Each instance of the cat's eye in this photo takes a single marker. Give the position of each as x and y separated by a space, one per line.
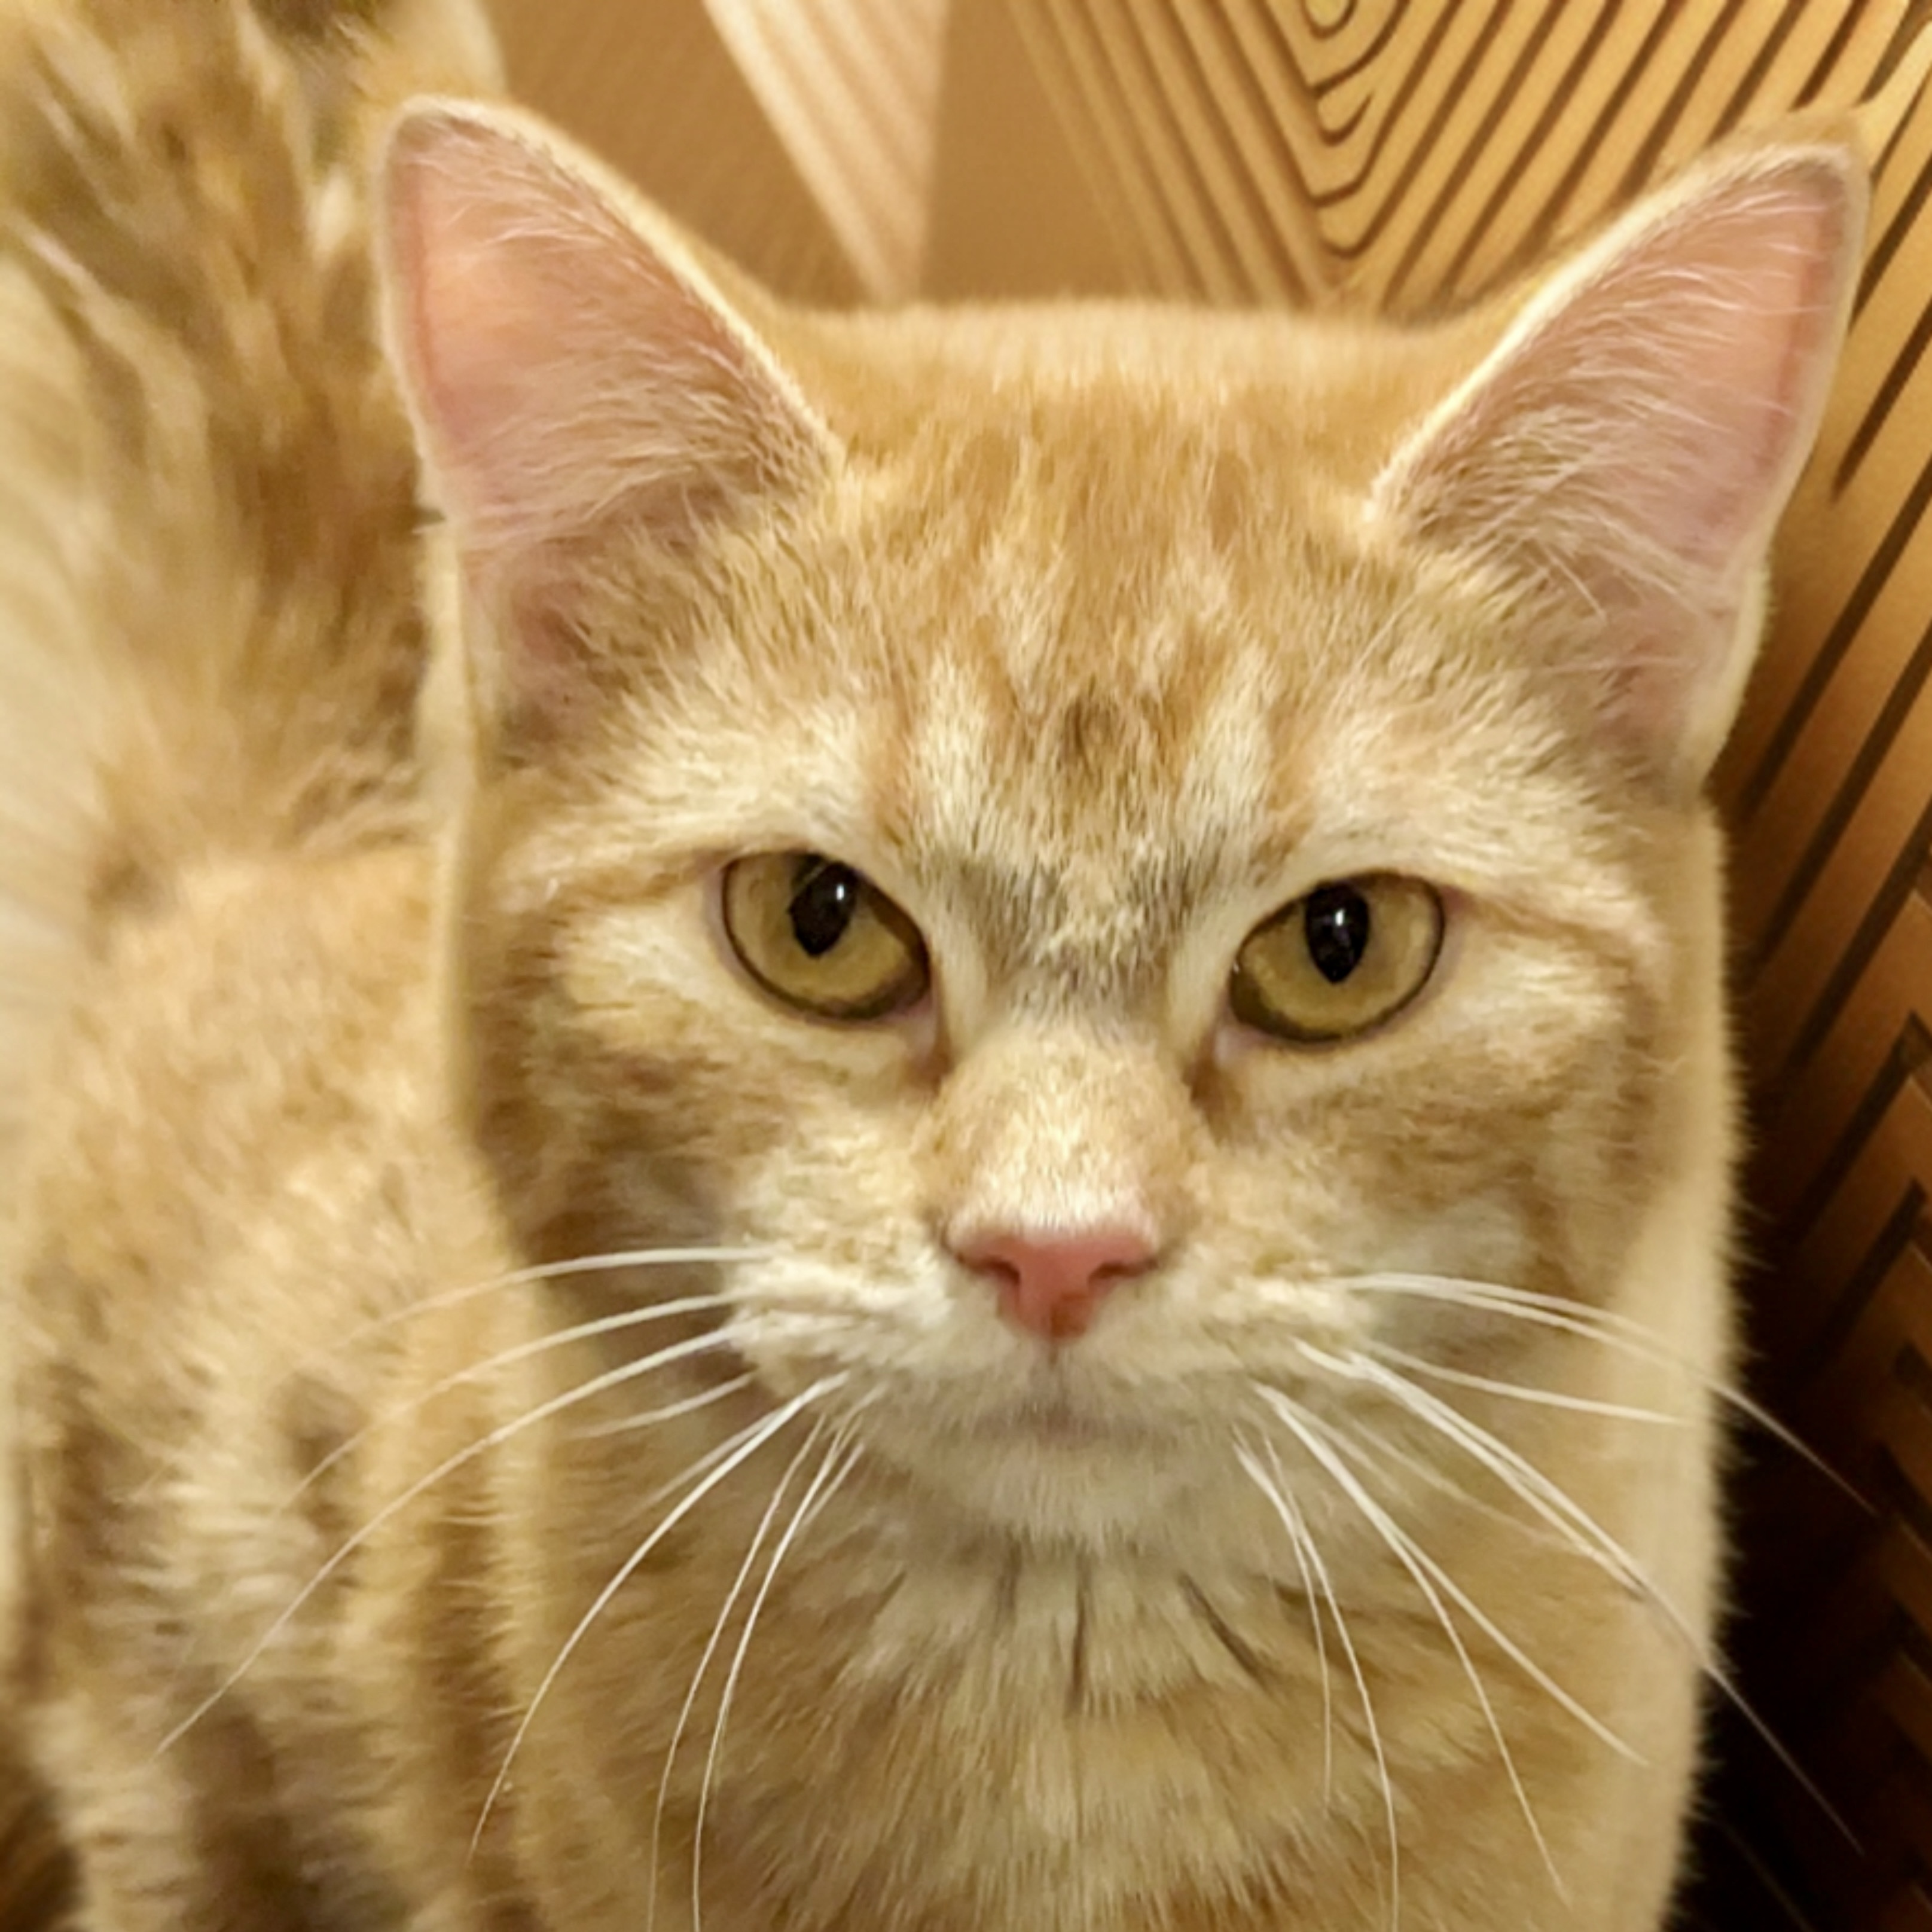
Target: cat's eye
1350 956
822 937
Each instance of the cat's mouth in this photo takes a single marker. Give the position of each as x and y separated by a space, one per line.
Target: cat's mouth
1045 1459
1053 1411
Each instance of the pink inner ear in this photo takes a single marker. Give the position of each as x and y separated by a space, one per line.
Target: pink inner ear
1747 303
573 375
470 315
1630 445
561 365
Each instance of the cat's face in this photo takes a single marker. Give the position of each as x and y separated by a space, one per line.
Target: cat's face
1094 742
1103 853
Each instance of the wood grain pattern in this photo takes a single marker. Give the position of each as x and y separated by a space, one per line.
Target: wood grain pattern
651 85
1401 154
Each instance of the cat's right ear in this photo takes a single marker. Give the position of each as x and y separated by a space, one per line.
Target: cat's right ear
571 364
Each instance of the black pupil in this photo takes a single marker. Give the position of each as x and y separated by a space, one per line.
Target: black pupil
823 904
1336 922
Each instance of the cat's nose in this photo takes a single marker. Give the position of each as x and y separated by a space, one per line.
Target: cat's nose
1050 1284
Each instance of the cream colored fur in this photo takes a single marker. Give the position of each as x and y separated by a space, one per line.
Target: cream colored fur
77 700
473 1336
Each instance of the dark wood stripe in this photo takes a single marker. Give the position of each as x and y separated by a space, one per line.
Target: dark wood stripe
1910 1050
1900 1496
1196 214
1388 201
1278 162
1765 51
1503 102
1827 654
1814 1342
1895 384
1866 763
1178 60
1345 20
1912 21
1883 247
1825 68
1881 910
1649 151
1558 104
1269 44
1631 76
1114 153
1395 17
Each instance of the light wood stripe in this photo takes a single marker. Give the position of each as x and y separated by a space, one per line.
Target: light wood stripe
851 87
1270 174
1102 135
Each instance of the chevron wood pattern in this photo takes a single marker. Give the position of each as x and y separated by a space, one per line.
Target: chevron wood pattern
1402 153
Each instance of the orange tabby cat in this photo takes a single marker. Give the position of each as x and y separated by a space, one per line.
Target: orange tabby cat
988 1192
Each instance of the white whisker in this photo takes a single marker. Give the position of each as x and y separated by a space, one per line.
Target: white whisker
503 1432
1405 1549
1323 1443
558 1338
1582 1532
537 1272
748 1443
1320 1444
1421 1470
1596 1324
716 1637
1579 1530
1577 1405
821 1490
1300 1546
669 1411
1278 1495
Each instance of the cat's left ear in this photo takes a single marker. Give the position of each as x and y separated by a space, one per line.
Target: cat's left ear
1623 455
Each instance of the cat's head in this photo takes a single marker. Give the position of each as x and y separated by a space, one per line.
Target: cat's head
1096 844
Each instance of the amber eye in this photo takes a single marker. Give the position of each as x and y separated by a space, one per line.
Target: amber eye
1341 960
822 937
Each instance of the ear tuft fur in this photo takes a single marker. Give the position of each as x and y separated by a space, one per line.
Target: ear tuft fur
571 362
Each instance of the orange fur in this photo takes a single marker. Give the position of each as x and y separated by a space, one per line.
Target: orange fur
385 1566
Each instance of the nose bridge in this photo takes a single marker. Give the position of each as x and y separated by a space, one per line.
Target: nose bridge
1052 1129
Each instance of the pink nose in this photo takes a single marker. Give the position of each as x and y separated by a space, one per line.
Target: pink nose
1050 1284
